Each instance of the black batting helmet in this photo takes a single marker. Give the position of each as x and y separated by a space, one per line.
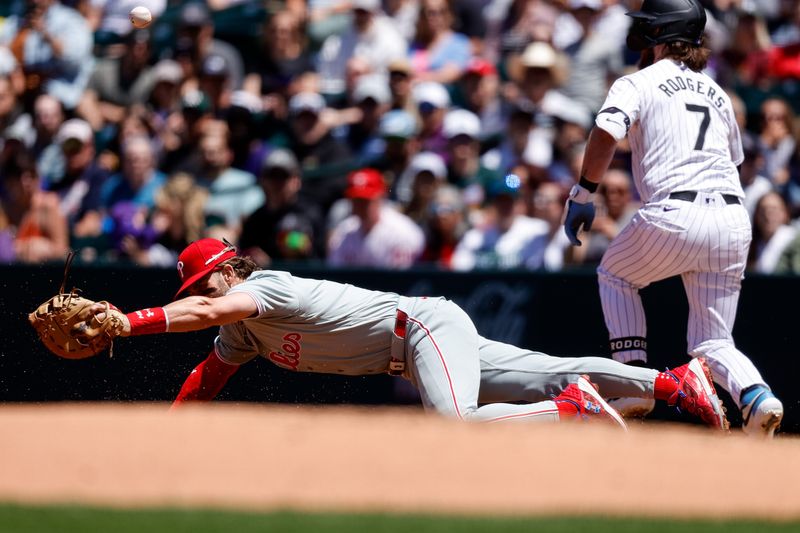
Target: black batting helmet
662 21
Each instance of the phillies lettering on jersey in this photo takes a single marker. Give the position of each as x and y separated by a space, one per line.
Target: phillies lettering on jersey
289 357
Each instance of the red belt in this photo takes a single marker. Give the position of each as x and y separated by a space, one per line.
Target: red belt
397 364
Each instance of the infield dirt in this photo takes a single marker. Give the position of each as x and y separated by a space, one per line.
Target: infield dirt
385 460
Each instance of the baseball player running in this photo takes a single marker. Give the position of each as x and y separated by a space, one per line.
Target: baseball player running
686 147
308 325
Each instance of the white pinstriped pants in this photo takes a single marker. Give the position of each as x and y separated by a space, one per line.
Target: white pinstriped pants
706 243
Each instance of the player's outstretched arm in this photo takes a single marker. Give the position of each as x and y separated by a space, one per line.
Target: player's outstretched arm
188 314
205 381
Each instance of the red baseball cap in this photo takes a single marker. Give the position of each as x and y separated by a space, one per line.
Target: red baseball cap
480 66
365 183
200 258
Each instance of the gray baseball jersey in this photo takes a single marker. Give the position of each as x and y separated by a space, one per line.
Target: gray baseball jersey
312 325
684 140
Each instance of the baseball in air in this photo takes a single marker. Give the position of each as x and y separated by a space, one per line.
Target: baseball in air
140 17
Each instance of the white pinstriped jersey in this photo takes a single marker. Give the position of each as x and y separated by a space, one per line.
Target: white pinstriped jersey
681 129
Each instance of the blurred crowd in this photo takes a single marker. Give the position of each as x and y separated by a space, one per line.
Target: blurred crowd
377 133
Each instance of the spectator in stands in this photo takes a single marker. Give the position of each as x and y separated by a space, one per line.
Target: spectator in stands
776 139
418 185
548 251
517 130
182 133
432 101
48 115
284 57
772 233
53 43
375 235
215 82
177 218
444 227
372 99
754 184
398 129
79 187
28 215
164 98
513 25
233 194
438 53
367 47
539 71
138 181
286 227
323 159
400 86
615 209
404 14
506 239
14 122
479 89
197 28
462 129
595 59
244 121
118 82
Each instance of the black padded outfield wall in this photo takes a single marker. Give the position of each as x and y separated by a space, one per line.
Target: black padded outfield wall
555 313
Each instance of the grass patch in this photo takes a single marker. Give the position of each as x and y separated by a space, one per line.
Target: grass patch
74 519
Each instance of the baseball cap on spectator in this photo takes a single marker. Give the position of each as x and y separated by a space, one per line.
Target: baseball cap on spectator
280 159
400 65
422 162
480 67
539 55
168 71
200 258
397 124
461 122
372 86
306 101
594 5
367 5
508 185
214 65
195 101
366 183
247 101
446 200
194 14
428 162
430 94
74 128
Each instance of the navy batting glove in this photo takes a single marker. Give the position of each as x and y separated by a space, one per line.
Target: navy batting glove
580 212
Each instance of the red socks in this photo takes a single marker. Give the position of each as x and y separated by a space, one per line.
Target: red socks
665 386
566 409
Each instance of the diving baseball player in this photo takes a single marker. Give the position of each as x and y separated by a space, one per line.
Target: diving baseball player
686 147
308 325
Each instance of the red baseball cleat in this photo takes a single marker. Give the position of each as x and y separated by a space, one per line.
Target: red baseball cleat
590 405
696 393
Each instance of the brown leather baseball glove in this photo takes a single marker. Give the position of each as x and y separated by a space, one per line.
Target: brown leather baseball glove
70 329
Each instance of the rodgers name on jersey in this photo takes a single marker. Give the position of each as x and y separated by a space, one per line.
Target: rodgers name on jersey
676 84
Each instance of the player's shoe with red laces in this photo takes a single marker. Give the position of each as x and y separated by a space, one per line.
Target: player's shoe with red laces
584 396
696 393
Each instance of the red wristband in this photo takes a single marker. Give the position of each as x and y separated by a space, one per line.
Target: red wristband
147 321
